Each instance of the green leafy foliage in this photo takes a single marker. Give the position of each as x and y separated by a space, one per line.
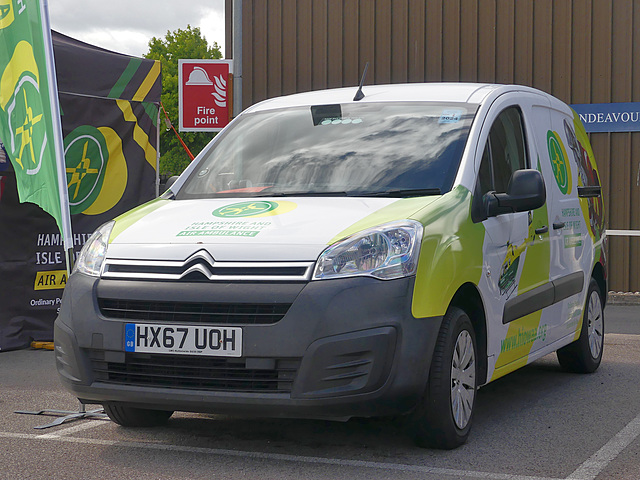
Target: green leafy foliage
188 44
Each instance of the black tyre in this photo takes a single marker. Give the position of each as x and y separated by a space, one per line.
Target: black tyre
136 417
443 419
585 354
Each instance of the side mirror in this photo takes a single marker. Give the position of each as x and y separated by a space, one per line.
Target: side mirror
170 181
526 191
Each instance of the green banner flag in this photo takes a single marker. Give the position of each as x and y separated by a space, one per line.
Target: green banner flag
29 112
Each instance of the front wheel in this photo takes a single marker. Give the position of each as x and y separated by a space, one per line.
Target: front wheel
585 354
443 419
136 417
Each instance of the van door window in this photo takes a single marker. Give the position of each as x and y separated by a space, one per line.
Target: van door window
485 175
504 153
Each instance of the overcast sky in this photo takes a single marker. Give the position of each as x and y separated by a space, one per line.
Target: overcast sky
126 26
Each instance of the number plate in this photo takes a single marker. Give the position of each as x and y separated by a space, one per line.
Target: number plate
183 339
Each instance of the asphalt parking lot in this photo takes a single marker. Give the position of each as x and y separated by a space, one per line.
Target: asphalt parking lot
539 423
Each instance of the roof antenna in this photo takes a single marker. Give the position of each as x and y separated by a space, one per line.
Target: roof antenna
360 94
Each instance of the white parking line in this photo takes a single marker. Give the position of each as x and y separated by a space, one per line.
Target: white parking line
281 457
590 469
74 429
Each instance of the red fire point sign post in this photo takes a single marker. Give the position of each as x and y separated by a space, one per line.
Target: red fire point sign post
204 94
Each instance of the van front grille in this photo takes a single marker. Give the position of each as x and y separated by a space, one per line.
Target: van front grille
202 267
197 373
193 312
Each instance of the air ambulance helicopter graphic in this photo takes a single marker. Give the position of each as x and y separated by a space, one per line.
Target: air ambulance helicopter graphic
507 281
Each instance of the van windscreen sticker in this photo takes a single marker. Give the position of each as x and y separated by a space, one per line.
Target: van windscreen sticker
451 116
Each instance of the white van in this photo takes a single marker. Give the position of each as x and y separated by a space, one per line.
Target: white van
329 257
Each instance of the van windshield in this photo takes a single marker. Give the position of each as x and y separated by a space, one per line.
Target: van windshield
368 149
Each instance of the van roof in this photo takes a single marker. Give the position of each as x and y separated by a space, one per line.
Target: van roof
475 93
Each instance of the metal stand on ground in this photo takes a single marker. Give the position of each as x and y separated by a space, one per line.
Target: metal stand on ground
97 414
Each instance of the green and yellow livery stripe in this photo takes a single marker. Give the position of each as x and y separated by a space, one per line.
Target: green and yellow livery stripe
402 208
125 220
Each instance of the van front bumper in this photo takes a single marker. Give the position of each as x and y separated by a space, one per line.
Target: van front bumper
345 347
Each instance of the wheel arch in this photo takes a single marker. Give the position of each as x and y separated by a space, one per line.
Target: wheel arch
468 298
600 277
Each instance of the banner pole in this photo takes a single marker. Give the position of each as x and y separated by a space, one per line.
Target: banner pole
67 232
158 155
63 194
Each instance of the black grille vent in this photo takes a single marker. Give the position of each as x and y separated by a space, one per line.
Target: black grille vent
252 271
202 267
197 373
186 312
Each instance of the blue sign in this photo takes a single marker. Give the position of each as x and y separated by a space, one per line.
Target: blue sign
609 117
130 337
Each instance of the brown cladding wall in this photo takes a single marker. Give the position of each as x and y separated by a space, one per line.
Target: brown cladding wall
582 51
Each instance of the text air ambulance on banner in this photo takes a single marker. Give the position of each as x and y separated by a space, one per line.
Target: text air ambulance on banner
329 256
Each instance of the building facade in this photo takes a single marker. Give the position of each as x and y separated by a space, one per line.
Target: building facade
581 51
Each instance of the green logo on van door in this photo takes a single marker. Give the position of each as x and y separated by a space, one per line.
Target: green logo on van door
559 163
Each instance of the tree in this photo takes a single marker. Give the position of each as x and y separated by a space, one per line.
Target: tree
187 43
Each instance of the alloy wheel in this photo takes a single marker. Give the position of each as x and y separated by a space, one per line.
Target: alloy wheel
463 379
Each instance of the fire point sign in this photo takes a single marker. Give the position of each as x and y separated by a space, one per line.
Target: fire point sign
204 94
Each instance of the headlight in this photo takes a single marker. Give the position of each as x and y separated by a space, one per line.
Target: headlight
388 251
92 254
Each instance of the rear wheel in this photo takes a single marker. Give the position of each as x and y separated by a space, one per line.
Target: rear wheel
136 417
585 354
443 420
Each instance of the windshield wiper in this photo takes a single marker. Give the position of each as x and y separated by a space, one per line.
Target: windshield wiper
399 193
305 194
403 192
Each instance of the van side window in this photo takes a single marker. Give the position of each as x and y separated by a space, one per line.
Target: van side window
504 153
508 154
485 175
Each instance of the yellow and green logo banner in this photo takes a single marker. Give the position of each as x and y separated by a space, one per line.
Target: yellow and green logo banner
109 105
28 113
106 158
